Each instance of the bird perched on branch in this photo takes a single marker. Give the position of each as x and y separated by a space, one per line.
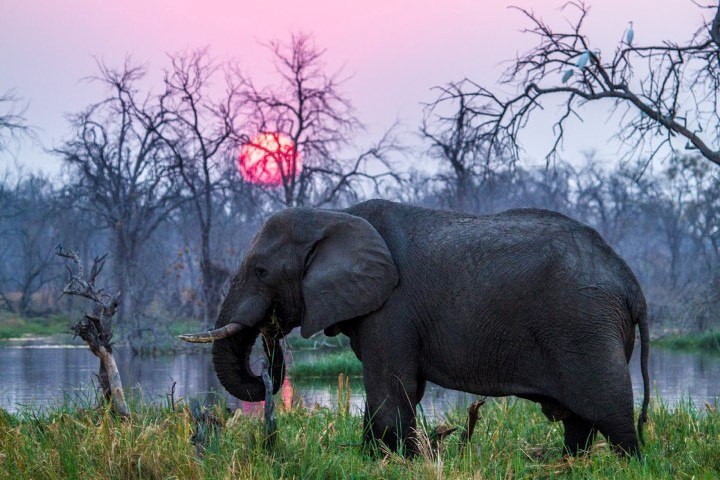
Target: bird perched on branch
566 76
583 60
630 34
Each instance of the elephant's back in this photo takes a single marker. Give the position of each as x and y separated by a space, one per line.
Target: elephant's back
529 247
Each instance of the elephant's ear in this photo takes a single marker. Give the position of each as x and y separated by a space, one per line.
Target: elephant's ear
349 272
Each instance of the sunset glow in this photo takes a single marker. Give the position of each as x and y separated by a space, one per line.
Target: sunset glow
268 159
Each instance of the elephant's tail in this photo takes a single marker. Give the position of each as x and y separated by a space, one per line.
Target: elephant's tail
642 321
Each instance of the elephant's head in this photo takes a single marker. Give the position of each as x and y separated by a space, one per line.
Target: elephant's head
307 268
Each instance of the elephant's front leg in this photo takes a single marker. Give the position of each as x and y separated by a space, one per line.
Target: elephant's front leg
390 408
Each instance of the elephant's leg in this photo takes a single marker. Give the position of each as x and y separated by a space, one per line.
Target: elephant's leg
619 429
579 434
607 402
390 411
369 435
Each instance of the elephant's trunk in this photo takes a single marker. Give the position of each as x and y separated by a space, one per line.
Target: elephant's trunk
231 359
231 354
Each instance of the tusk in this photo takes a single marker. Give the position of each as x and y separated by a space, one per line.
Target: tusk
210 336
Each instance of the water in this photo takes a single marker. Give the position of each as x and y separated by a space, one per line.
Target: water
40 375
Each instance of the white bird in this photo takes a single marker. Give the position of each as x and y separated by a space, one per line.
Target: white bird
566 76
630 34
583 60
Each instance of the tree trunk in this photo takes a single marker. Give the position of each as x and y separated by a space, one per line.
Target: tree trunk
115 384
213 278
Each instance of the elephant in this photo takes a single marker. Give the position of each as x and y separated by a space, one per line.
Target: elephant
527 303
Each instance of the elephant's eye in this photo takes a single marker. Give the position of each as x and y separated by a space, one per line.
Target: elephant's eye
260 272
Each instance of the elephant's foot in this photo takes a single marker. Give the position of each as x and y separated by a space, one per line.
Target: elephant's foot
620 433
579 434
390 420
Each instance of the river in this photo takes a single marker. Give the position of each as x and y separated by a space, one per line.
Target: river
38 374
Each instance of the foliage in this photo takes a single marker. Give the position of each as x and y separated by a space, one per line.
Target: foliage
513 440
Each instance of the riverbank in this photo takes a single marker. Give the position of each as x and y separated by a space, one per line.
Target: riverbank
708 342
15 327
512 440
327 365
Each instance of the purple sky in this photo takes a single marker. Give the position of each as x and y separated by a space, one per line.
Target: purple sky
395 51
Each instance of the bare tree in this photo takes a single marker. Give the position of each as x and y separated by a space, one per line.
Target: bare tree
459 143
119 165
307 106
607 199
12 121
666 94
28 236
703 209
665 200
201 134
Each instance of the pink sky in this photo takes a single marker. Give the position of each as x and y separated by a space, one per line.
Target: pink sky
394 50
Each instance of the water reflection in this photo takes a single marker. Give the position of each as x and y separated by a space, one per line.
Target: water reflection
43 375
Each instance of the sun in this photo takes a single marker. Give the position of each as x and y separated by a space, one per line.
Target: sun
268 159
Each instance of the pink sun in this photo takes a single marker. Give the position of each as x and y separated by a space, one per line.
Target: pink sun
268 159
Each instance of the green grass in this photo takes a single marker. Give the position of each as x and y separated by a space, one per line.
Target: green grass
512 440
14 326
706 342
327 365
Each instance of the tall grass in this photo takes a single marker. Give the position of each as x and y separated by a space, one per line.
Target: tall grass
512 440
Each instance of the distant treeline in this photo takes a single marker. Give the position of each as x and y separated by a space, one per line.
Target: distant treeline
666 225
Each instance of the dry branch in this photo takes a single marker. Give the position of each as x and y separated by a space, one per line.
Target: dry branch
473 414
666 94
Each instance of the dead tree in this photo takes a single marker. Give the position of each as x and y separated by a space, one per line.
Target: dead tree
456 139
201 136
95 329
666 94
309 107
12 121
120 166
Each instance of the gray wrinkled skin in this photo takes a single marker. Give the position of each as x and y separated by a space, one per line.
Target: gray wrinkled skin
526 302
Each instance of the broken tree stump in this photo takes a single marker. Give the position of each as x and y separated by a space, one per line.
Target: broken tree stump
270 421
96 329
207 426
473 413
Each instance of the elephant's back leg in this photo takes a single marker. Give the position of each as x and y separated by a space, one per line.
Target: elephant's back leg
600 393
619 429
579 432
